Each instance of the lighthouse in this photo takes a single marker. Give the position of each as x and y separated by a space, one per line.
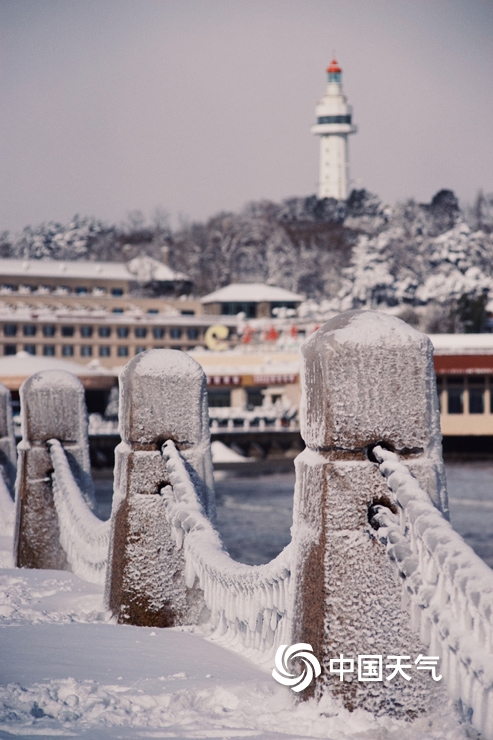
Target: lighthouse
334 125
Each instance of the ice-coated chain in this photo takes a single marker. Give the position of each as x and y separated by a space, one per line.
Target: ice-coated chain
248 603
7 508
450 588
83 536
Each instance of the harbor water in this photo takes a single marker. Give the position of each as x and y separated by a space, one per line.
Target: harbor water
254 513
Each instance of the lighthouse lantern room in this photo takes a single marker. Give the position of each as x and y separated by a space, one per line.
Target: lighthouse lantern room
334 125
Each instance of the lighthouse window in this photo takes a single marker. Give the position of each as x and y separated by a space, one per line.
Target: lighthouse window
334 119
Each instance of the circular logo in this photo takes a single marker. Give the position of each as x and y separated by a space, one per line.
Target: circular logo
284 655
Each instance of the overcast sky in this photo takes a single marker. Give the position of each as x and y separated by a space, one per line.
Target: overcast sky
197 106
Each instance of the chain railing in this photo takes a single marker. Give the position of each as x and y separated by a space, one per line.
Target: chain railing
83 536
248 603
449 586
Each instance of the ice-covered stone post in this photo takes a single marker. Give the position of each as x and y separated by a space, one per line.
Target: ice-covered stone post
162 396
52 407
367 378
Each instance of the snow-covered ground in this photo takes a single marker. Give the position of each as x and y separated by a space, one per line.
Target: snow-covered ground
66 670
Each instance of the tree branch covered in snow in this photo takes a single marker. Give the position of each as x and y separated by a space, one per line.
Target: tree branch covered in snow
419 259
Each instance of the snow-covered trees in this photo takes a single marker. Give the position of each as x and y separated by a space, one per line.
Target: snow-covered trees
426 261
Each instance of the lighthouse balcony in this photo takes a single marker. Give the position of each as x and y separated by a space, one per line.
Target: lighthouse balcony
323 129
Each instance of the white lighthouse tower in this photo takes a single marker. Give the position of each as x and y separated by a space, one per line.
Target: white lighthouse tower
334 126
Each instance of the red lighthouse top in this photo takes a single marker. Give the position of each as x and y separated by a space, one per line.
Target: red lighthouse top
333 67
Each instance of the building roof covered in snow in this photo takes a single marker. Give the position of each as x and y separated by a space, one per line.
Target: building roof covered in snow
140 269
462 344
14 369
252 293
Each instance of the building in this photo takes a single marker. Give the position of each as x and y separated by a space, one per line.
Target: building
464 369
143 283
83 335
334 124
255 300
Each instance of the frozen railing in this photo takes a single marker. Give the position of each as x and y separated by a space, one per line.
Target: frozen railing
450 588
248 604
368 384
83 536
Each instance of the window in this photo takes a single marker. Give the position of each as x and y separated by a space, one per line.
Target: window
118 310
122 352
30 349
158 346
49 330
81 290
86 331
255 397
67 331
104 351
175 333
192 333
455 401
122 332
10 330
219 398
104 331
86 350
476 401
140 332
158 332
49 350
153 310
187 313
29 330
476 385
232 309
10 349
138 350
67 350
117 291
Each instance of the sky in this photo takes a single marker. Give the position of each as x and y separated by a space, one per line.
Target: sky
200 106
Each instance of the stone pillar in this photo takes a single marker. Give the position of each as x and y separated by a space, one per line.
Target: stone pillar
52 406
162 396
8 454
367 378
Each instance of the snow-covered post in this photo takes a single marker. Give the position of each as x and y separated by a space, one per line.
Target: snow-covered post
162 396
367 378
8 455
52 407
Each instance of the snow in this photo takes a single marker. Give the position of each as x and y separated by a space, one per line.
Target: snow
248 604
68 671
469 344
141 269
251 292
451 589
24 365
83 536
221 453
